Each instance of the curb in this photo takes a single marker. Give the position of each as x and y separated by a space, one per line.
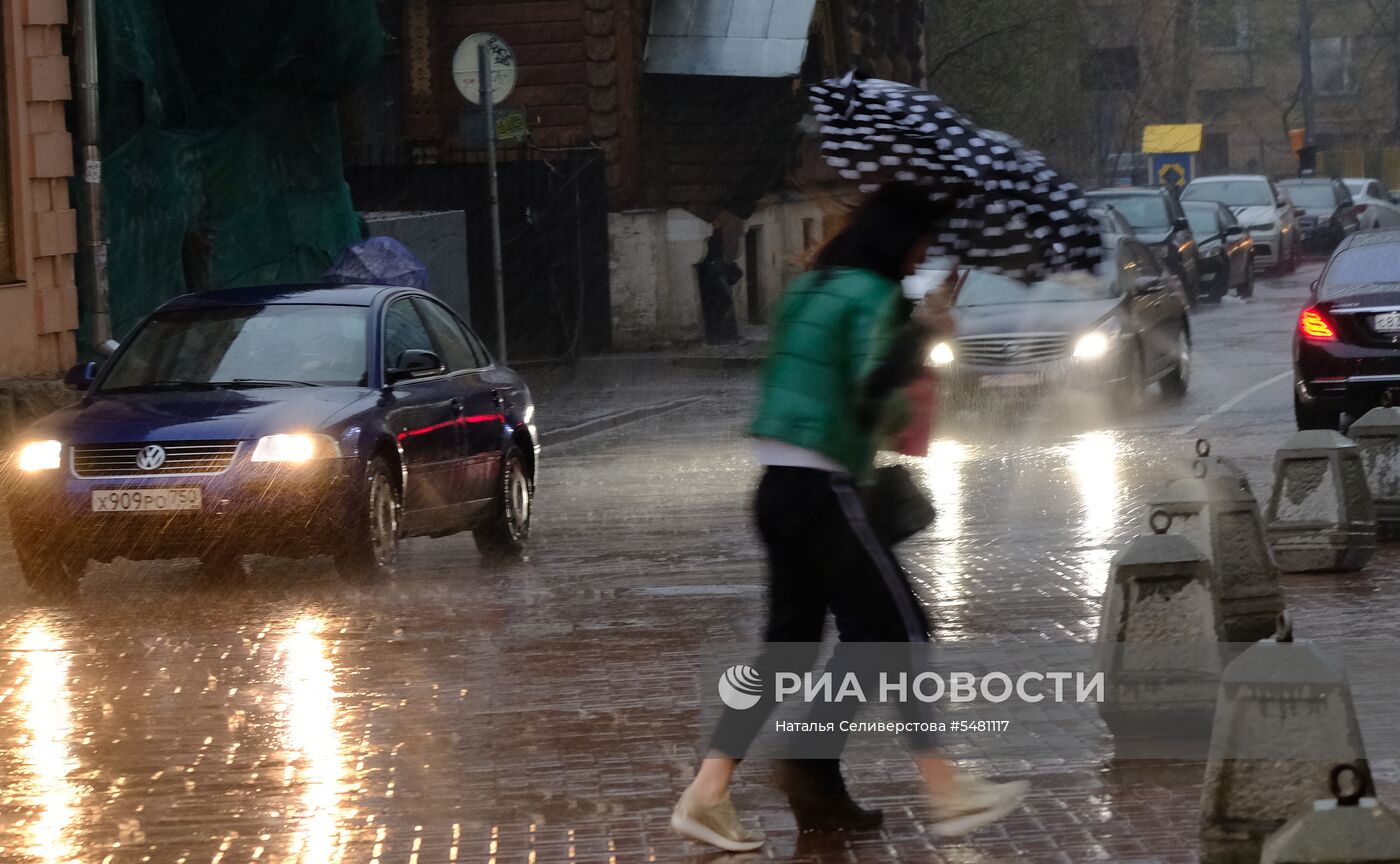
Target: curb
613 421
717 362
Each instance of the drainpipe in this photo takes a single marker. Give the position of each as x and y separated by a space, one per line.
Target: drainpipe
94 261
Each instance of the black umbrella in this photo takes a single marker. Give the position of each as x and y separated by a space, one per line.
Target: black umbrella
1012 213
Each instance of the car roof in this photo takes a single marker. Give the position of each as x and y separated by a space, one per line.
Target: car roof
1221 178
1374 237
322 294
1125 190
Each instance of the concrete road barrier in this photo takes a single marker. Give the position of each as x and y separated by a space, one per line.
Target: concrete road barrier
1320 516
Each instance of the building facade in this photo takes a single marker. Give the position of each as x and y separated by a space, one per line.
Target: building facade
1236 66
38 225
648 127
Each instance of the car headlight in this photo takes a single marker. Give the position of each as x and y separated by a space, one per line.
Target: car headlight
40 456
1263 226
1091 346
295 449
941 355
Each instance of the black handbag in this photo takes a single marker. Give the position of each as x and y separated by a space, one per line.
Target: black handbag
895 505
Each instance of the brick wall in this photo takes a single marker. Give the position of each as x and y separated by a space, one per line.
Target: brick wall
39 309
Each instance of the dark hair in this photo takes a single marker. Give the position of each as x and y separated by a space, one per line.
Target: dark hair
882 230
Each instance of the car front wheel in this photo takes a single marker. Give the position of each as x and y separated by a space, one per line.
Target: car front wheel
373 544
52 574
1175 384
504 536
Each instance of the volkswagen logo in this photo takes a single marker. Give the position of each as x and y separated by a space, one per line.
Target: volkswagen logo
150 458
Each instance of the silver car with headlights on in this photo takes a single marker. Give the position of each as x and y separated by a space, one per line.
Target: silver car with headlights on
1110 333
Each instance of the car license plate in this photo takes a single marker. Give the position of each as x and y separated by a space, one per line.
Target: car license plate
1386 322
147 500
1017 379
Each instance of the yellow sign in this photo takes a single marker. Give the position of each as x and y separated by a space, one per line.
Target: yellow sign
1178 138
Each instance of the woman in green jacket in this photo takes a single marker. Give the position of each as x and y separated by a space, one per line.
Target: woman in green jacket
838 359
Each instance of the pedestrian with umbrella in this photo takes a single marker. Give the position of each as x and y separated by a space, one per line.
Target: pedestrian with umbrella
838 360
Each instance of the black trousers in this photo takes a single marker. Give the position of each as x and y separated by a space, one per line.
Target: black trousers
824 558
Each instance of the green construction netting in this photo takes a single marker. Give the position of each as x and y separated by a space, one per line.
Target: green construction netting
221 143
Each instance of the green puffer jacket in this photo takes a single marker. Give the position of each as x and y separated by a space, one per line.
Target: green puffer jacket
831 332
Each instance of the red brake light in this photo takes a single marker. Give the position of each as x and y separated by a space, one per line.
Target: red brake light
1313 325
1360 208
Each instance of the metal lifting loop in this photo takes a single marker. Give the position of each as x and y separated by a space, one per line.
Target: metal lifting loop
1160 521
1359 778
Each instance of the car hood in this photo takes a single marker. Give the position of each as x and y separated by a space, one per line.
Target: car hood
1256 215
1069 317
214 414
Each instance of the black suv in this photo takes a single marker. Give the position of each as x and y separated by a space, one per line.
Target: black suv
1159 221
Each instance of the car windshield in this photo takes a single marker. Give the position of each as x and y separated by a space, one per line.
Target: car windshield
1231 193
1203 221
1317 196
991 289
244 346
1144 212
1356 270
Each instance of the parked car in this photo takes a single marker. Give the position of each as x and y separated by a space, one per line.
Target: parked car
1346 347
1375 207
1112 226
289 420
1265 210
1158 220
1114 332
1325 212
1226 250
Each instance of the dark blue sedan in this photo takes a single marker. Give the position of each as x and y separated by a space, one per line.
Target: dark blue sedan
291 421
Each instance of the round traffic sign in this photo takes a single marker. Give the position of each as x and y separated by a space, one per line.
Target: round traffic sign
466 67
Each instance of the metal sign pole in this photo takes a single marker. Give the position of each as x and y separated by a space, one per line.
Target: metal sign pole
488 104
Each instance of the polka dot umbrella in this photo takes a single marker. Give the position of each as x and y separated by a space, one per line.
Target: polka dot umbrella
1011 212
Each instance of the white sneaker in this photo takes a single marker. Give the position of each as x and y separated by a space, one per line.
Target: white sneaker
717 825
975 803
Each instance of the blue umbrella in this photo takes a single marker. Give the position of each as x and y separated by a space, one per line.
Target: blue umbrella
378 261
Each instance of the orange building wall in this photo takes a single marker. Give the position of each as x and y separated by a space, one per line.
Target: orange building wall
39 312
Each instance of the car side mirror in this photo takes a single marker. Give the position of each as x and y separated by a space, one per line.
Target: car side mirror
414 363
1234 231
1298 211
1145 284
80 377
1182 225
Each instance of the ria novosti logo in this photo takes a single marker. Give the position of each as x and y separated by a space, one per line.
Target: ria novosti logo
740 687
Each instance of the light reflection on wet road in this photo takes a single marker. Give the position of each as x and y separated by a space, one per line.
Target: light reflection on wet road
546 712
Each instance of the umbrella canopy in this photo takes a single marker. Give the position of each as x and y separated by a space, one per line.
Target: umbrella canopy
378 261
1011 212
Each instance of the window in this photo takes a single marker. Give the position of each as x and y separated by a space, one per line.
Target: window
282 343
1332 65
404 331
1223 24
456 352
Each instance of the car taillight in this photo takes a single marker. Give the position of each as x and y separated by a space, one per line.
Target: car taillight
1360 208
1313 325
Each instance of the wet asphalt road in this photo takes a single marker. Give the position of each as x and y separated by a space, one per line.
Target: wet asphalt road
546 712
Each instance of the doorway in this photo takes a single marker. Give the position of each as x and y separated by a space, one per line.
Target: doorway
753 283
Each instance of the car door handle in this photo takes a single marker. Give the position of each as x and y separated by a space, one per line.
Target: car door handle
500 400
